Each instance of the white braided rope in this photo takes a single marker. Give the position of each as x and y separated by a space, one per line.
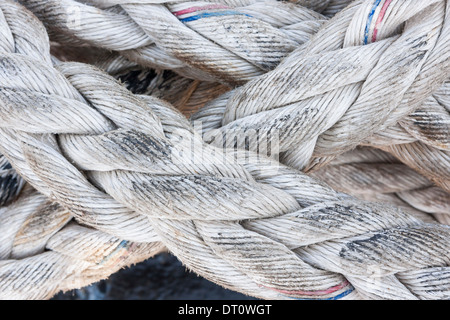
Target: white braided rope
220 218
439 176
249 38
421 140
331 108
42 254
428 125
364 173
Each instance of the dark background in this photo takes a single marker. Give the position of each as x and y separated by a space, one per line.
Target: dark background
162 277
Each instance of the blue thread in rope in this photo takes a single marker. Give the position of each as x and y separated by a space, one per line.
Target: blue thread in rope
369 20
213 14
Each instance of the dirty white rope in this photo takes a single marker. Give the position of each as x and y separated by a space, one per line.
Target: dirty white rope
429 125
375 22
225 41
120 163
422 139
425 131
334 93
366 172
41 253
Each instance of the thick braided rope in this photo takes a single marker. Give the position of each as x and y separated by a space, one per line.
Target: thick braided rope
187 95
419 198
195 208
51 274
32 223
312 122
426 129
377 17
420 140
415 154
203 40
365 173
42 252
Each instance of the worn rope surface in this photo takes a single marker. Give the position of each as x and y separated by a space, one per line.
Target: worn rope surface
315 120
369 174
228 42
376 176
420 140
75 256
365 173
121 164
379 21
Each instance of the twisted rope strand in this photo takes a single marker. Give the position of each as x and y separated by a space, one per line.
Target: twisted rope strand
429 126
370 174
312 128
42 253
380 23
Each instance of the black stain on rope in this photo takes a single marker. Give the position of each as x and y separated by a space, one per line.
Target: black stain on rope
135 141
355 250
